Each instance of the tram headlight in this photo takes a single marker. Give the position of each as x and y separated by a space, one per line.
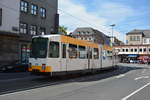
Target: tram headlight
43 66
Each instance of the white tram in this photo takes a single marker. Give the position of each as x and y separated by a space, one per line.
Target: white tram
58 54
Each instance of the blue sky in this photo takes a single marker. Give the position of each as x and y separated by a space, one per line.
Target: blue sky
99 14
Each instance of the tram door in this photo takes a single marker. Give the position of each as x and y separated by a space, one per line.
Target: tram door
63 61
89 56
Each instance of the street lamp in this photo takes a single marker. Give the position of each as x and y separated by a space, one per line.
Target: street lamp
113 25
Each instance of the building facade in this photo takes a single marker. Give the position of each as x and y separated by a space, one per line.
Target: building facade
133 52
115 41
9 16
91 35
138 37
22 19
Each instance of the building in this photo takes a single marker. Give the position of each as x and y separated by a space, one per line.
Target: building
115 41
22 19
91 35
127 52
146 38
138 37
9 16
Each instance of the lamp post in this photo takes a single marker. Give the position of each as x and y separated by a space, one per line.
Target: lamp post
113 25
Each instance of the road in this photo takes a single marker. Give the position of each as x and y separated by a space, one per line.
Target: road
129 82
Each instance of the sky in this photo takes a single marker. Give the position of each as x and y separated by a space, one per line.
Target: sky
100 14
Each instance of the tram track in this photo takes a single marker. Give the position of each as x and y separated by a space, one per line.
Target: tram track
38 82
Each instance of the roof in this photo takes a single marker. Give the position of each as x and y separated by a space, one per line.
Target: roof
146 33
135 32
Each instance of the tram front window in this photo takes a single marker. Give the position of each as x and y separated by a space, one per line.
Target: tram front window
39 48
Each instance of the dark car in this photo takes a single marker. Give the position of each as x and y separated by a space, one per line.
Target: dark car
14 67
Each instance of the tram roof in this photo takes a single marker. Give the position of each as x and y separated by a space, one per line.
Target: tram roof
67 39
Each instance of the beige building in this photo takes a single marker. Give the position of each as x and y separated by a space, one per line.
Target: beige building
134 37
138 37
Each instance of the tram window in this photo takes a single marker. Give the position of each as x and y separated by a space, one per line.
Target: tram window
54 50
82 52
96 53
64 51
72 51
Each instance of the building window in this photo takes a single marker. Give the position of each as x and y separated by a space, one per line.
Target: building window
84 32
23 28
79 33
42 31
33 30
131 50
135 50
24 6
149 49
126 50
145 40
131 38
43 12
138 38
34 9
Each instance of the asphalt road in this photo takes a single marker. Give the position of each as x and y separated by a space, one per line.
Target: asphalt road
129 82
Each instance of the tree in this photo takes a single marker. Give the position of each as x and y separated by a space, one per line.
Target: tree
63 30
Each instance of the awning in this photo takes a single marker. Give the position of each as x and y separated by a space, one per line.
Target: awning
143 58
132 55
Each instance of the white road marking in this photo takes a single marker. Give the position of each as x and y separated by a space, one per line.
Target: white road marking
127 97
143 71
138 78
120 76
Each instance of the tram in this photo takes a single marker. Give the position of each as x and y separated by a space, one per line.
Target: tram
59 54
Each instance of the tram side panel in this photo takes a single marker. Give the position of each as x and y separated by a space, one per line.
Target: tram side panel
107 60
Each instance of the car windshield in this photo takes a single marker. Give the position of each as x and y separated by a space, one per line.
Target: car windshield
39 47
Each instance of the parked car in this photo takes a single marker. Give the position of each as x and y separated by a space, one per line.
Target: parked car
14 67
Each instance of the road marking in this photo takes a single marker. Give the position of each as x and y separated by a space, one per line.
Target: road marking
120 76
138 78
143 71
127 97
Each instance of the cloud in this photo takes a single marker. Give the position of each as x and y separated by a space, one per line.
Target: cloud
74 15
115 12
